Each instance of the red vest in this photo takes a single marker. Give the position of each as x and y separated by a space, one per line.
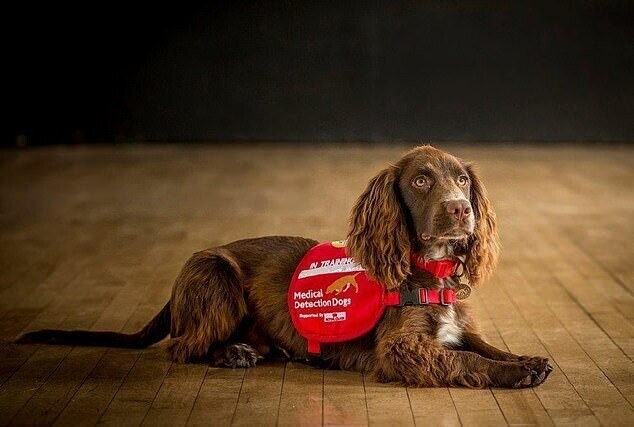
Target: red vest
332 299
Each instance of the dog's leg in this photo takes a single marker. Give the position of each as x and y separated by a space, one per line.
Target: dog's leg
208 304
419 361
235 355
475 343
472 341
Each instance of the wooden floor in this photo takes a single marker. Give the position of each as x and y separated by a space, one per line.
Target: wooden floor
92 237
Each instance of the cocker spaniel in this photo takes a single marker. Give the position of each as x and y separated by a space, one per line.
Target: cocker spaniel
421 227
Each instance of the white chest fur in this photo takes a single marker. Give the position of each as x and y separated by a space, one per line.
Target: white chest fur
449 328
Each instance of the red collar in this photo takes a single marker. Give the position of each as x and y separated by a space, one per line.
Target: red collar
441 269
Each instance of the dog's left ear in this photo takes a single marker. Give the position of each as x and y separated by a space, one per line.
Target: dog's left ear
483 246
378 237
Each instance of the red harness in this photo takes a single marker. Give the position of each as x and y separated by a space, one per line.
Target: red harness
331 298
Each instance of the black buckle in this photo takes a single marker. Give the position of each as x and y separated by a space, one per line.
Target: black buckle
412 297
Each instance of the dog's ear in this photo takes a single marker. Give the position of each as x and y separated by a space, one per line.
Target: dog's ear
483 245
378 237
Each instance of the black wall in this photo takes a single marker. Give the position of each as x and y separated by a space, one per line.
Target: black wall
312 71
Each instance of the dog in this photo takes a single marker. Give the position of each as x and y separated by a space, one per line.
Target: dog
229 304
343 284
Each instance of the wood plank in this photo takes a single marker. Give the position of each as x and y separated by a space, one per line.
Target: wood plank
20 387
564 285
218 397
54 355
557 395
47 403
344 399
259 400
517 406
618 328
177 394
96 392
595 389
42 309
477 407
138 390
302 397
433 406
387 403
51 398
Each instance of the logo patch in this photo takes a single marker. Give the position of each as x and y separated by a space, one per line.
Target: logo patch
338 316
342 284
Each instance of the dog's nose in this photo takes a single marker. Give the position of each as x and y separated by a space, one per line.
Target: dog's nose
458 208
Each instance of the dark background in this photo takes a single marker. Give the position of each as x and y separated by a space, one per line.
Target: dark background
320 71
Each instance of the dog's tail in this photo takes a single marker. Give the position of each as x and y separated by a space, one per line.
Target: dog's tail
156 330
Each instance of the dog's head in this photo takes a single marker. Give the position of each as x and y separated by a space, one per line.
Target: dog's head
427 197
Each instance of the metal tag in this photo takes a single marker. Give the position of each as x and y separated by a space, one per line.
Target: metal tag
463 290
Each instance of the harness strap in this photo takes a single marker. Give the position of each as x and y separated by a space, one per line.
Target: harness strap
314 347
404 298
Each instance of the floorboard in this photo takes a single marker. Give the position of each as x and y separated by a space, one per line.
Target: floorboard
93 237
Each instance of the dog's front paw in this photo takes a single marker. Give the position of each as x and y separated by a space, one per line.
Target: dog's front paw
237 356
532 359
536 370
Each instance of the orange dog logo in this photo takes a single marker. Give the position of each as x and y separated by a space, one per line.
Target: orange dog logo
342 284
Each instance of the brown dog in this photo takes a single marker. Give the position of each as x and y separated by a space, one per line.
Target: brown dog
343 284
229 303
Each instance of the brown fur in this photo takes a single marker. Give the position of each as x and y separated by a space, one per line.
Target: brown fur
484 245
229 303
378 216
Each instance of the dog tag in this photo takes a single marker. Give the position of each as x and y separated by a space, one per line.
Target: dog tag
463 290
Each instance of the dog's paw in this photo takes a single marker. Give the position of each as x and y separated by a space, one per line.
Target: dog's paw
531 359
535 371
237 356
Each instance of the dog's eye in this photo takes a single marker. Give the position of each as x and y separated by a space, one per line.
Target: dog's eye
420 182
463 180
